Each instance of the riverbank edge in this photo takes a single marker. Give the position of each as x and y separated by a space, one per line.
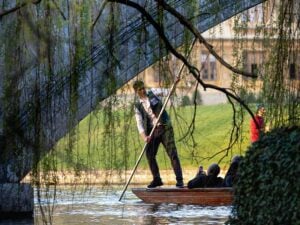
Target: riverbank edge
104 177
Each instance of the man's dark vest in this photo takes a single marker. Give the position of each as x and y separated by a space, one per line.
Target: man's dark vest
156 106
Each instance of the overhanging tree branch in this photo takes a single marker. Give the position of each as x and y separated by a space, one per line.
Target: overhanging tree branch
99 14
192 69
201 39
17 7
59 10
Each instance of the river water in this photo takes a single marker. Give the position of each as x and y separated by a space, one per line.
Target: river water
91 205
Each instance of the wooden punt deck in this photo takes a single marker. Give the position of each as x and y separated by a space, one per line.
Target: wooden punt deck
196 196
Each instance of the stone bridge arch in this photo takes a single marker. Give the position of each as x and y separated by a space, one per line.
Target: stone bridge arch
55 102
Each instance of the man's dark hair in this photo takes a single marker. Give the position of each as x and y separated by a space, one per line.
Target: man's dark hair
137 84
213 170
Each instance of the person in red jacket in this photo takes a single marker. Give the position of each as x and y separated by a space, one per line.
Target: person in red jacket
259 118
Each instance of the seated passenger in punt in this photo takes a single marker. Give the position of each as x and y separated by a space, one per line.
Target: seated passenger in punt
210 180
231 174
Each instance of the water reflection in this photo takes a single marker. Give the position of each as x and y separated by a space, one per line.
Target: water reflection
97 205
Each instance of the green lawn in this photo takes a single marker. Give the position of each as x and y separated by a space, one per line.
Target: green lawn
99 144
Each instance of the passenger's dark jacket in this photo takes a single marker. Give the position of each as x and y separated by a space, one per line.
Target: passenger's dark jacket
231 174
210 180
205 181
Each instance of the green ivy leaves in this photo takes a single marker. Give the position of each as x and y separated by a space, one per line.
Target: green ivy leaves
268 188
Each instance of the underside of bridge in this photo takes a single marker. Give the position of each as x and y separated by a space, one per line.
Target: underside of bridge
39 104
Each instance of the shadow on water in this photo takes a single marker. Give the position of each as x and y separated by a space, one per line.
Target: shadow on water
17 221
184 214
97 205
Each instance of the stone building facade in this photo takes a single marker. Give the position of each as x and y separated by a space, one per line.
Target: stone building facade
246 51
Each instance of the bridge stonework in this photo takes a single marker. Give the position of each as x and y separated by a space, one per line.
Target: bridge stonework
16 200
30 134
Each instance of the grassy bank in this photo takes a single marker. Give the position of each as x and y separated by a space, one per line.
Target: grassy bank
111 141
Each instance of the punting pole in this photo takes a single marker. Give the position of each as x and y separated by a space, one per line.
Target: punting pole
152 131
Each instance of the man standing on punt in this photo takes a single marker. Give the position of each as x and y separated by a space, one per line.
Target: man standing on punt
147 110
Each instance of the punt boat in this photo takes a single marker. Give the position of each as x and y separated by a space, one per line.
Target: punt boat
195 196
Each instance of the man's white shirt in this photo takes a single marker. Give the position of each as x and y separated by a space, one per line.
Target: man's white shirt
146 104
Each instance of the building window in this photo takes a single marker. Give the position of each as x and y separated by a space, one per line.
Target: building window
208 67
294 66
253 15
292 71
254 69
253 61
156 75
